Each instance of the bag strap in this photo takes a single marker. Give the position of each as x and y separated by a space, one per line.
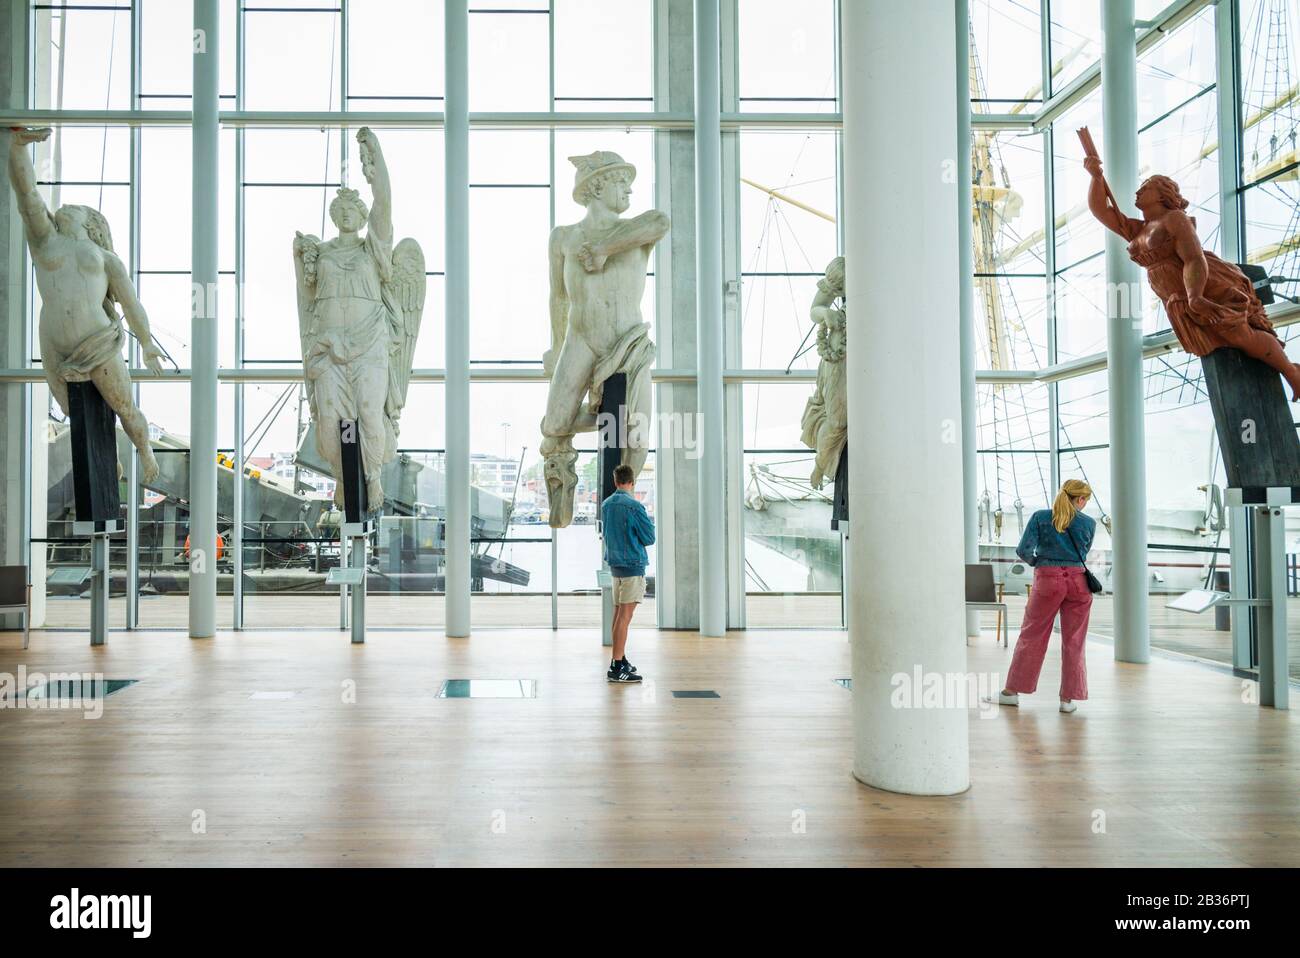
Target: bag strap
1077 550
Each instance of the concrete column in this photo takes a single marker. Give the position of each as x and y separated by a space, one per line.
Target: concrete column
677 554
1228 77
203 322
966 300
13 320
456 142
733 394
902 260
709 317
1227 44
1128 492
48 155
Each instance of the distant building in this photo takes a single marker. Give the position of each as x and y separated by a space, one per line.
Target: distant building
494 474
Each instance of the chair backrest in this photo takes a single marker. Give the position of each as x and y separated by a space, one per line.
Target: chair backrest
13 585
979 583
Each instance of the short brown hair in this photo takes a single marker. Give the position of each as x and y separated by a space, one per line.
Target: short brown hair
623 474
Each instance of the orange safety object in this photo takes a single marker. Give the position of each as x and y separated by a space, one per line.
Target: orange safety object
221 546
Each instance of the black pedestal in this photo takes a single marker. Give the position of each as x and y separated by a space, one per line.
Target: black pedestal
840 504
355 501
611 430
94 455
1253 419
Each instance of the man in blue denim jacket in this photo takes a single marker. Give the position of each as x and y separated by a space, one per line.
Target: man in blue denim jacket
627 530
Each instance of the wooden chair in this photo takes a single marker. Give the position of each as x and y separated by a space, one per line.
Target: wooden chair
16 596
982 593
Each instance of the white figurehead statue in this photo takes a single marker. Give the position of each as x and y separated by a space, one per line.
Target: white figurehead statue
598 273
360 302
81 281
826 416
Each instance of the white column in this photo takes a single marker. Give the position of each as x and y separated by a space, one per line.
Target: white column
20 496
37 477
709 315
203 323
966 253
902 262
1227 44
456 405
1128 491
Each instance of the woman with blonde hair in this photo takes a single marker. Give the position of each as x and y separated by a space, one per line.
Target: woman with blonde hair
1055 542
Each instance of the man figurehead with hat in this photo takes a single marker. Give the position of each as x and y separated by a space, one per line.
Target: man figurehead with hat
598 273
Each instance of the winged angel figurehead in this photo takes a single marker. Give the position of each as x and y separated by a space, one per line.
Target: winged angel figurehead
360 302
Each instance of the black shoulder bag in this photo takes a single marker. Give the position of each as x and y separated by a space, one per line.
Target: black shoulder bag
1094 584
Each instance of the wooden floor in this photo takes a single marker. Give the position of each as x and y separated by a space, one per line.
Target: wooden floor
1170 630
1182 770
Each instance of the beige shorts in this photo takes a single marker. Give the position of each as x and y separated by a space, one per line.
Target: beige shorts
629 590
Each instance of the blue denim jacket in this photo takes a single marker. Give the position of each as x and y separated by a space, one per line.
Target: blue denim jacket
1043 545
628 529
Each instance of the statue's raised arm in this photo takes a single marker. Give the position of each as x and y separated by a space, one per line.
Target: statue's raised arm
22 176
375 171
1101 201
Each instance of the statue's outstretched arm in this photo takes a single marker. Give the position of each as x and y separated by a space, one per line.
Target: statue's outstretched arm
22 175
121 289
376 173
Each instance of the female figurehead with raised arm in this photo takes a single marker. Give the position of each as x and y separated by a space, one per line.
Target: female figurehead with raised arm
1210 302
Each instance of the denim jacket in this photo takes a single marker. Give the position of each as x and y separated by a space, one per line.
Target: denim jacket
1042 545
627 529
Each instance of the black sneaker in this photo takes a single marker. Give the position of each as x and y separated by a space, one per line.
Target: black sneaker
621 672
629 664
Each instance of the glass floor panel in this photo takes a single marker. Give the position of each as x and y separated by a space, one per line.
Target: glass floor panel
488 689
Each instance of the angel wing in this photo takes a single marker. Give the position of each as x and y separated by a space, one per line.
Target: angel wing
404 295
306 248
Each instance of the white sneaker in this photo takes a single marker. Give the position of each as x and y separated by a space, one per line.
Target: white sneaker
1067 706
1002 699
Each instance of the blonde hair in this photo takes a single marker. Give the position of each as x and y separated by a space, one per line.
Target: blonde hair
1063 510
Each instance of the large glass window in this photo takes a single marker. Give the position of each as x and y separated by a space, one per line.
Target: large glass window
564 56
787 64
1006 56
1041 280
